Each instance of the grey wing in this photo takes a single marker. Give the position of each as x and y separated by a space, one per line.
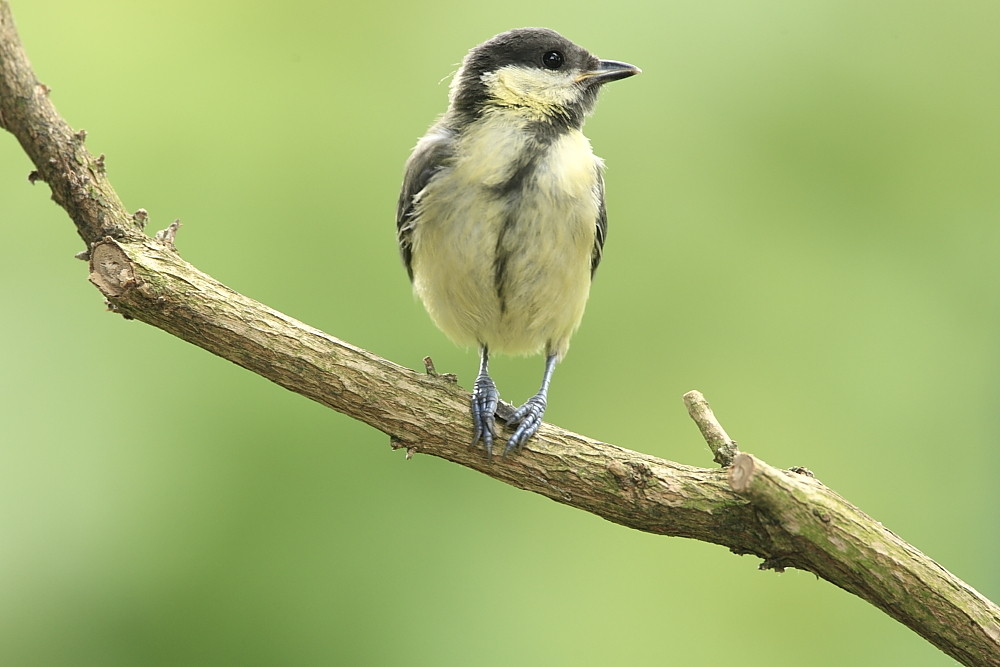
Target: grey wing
602 226
429 157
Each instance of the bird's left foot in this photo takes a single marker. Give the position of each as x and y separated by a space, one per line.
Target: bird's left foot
528 418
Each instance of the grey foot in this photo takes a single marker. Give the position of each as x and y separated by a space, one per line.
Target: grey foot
484 406
528 417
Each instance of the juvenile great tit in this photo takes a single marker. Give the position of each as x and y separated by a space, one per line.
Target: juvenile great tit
501 219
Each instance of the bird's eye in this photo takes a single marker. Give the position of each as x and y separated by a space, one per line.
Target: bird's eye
552 60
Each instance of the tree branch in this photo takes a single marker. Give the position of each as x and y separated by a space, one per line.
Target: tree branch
723 447
787 518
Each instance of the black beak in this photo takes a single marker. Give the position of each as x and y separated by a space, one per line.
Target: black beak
608 70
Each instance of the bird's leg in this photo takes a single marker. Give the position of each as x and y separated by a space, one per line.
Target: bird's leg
484 404
528 417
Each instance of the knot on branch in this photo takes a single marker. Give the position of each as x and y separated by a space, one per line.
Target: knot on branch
166 236
110 269
741 472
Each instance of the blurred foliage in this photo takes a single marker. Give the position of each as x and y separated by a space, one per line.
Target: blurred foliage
804 208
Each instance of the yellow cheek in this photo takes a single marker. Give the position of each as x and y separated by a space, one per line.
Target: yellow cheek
539 90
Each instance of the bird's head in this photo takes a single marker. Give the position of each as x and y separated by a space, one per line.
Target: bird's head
536 72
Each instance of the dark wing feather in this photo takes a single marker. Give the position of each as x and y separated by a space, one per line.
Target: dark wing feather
430 155
602 226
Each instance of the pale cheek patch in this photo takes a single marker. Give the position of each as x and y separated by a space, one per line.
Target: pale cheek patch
537 89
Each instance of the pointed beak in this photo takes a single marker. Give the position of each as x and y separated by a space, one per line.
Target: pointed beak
608 70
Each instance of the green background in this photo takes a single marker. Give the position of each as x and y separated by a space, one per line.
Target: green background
803 202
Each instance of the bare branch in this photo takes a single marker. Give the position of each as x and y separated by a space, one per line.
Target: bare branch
723 447
817 530
789 519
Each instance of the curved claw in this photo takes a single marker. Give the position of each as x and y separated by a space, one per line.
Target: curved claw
484 406
528 417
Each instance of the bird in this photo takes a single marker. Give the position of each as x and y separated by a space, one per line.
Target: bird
501 219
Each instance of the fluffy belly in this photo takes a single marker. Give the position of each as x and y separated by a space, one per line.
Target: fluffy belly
518 289
507 263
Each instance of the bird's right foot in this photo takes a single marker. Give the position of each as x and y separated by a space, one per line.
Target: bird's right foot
484 406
